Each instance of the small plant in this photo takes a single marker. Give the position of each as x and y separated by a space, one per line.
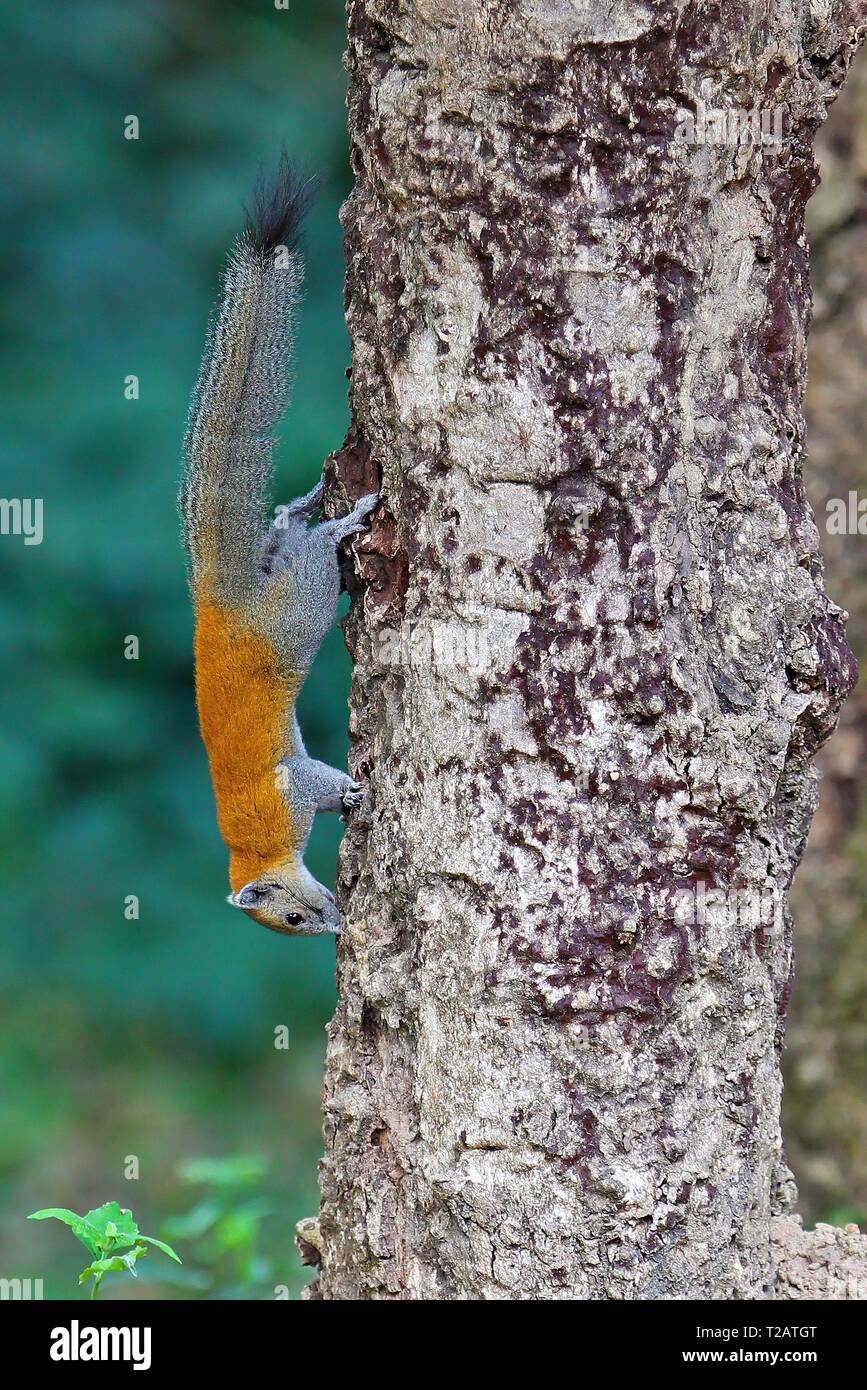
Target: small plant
111 1238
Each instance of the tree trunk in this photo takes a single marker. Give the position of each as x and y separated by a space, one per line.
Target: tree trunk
594 656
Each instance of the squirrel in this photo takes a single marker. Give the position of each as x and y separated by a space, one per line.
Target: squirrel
263 597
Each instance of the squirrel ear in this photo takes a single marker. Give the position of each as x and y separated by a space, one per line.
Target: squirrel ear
248 896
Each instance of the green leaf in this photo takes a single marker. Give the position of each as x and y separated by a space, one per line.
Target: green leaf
111 1263
238 1170
81 1226
70 1218
114 1225
195 1222
239 1226
161 1245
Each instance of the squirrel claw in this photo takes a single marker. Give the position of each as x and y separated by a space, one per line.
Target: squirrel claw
352 799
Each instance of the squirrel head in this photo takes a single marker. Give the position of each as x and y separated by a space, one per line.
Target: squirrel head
288 899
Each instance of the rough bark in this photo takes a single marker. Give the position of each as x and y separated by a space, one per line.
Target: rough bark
594 657
827 1263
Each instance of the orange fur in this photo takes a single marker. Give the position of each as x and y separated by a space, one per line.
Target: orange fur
245 703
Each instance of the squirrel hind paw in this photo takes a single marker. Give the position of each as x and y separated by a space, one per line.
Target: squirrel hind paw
352 797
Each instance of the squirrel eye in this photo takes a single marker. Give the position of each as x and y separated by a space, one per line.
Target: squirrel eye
293 918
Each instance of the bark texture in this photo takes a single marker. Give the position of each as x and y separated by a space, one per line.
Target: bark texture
594 657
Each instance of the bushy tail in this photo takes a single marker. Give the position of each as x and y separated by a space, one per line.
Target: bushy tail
243 388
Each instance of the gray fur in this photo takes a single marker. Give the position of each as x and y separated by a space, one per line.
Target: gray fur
318 787
292 598
242 391
305 577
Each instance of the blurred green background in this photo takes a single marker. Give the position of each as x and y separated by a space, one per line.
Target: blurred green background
153 1037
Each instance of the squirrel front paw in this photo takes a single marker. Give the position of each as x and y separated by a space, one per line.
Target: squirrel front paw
352 797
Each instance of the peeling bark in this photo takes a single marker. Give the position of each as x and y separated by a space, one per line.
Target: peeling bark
594 657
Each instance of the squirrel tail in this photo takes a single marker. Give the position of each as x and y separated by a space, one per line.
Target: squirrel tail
243 387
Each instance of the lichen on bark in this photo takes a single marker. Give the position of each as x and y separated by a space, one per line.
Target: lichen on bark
593 653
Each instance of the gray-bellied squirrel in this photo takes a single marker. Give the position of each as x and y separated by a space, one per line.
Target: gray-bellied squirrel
264 597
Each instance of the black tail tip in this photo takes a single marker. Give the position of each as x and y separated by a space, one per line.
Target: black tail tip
278 205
